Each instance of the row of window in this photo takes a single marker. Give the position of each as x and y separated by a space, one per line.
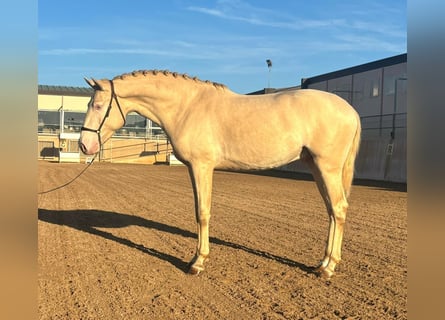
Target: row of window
135 125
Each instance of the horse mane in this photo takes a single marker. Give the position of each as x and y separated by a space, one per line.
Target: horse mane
168 73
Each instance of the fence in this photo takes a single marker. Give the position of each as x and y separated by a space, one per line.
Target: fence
385 125
117 149
135 150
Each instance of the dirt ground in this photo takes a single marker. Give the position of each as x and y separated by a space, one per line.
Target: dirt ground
115 244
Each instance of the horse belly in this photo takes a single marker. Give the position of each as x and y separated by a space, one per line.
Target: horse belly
261 153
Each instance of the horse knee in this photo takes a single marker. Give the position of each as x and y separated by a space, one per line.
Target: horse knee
203 219
339 212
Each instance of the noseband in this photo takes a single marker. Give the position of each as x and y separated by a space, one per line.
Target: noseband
113 96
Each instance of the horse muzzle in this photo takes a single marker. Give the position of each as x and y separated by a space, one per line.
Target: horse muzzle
88 146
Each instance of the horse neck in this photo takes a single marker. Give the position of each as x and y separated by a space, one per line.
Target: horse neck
159 100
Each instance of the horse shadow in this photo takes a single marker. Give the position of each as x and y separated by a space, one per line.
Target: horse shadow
90 220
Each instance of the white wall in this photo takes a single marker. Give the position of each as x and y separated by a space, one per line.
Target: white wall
54 102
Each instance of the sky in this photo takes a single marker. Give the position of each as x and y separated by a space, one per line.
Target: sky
226 41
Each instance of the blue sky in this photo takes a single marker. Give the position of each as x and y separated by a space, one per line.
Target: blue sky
226 41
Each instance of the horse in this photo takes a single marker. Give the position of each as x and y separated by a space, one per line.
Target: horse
211 127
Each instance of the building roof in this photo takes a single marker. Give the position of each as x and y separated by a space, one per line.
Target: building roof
65 91
356 69
273 90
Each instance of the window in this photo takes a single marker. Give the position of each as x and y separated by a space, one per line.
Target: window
73 121
390 84
374 88
48 122
135 126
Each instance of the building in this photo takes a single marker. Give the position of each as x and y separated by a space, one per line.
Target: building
377 90
61 112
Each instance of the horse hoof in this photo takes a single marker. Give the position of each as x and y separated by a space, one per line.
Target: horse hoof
324 272
194 270
195 267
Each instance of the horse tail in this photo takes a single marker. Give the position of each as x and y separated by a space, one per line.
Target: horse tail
348 167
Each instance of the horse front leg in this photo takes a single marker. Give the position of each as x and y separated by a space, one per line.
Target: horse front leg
201 176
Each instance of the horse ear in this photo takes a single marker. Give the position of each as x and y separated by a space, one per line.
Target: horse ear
94 84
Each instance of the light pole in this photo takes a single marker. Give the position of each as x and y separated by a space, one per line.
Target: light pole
269 65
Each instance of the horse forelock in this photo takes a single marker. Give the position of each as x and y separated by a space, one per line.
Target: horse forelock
167 73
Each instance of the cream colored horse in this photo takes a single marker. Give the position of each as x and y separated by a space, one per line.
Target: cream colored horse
212 127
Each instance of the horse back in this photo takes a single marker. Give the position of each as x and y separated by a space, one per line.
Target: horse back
272 130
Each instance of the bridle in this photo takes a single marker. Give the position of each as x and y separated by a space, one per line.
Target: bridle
113 96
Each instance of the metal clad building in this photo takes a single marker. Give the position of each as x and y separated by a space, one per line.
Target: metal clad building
378 91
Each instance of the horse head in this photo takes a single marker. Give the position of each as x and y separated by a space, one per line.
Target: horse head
101 119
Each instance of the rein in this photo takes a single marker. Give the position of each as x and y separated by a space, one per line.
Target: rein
113 96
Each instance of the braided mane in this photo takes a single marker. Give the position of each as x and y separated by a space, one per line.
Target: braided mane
167 73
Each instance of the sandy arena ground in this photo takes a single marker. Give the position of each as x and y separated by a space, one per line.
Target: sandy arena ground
115 244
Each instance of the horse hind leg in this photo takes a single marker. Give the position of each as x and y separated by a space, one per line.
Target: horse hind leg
330 185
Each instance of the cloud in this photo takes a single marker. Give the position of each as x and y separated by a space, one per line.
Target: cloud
379 21
388 30
353 42
257 17
212 12
91 51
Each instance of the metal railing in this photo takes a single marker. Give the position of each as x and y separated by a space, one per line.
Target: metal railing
384 125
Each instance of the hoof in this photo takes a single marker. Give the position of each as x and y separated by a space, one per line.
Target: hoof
197 265
323 272
326 268
195 270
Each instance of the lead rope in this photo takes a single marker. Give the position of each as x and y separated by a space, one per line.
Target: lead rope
113 96
72 180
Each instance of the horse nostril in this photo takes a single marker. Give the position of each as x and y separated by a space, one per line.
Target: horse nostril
82 147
